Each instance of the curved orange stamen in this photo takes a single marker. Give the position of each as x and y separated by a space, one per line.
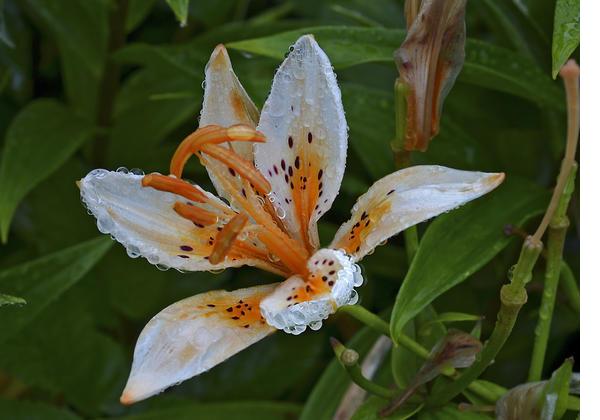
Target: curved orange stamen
239 165
226 237
195 214
211 134
175 186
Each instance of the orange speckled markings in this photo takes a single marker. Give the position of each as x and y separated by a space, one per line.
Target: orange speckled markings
243 313
351 243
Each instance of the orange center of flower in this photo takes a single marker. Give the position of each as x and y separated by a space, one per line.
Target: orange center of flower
237 237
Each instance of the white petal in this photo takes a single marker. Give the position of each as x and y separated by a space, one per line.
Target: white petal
405 198
305 153
143 220
193 335
226 103
298 303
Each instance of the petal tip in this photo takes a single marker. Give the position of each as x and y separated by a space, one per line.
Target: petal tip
127 398
495 179
219 58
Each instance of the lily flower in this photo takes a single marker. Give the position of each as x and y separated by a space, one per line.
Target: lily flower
278 174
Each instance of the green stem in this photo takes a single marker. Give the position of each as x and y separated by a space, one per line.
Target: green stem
557 233
367 317
370 319
348 358
512 297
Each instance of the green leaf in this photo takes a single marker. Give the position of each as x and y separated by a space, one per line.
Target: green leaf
67 355
39 140
450 412
80 32
27 410
42 281
11 300
553 401
405 363
566 33
180 8
459 243
371 407
233 410
328 392
448 317
485 64
370 115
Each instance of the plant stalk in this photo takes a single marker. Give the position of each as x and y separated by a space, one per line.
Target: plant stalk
512 297
557 233
348 358
371 320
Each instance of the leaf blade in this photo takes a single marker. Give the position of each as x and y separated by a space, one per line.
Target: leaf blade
485 64
565 37
39 140
42 281
180 8
466 238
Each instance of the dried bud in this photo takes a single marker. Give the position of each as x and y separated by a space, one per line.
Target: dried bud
429 61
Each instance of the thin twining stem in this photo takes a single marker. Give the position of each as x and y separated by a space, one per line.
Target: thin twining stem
570 75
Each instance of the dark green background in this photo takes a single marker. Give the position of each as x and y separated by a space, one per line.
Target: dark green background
87 86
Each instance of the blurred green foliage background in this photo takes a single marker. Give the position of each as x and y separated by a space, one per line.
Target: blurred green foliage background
110 83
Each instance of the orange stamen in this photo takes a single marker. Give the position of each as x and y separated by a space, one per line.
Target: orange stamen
211 134
286 255
175 186
239 165
291 253
195 214
226 238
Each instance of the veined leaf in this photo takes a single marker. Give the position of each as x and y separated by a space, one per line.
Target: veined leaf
485 64
566 33
459 243
242 410
180 8
42 281
40 139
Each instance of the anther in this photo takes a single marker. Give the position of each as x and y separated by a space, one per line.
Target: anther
175 186
226 237
195 214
